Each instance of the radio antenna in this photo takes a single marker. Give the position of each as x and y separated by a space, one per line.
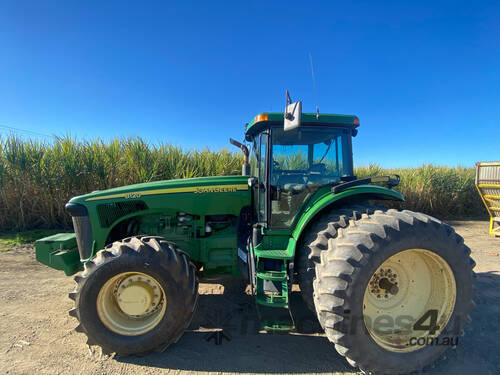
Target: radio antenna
314 86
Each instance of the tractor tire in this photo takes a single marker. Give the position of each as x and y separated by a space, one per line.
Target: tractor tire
393 291
135 296
315 241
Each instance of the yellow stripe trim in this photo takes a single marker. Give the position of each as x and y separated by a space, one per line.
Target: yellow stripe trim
492 196
488 163
194 189
488 185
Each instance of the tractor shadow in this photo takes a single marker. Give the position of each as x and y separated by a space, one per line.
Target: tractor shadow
478 350
250 350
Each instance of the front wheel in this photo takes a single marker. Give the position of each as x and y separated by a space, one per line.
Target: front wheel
394 290
136 295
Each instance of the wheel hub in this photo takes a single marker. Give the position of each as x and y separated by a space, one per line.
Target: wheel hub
384 283
131 303
137 295
405 288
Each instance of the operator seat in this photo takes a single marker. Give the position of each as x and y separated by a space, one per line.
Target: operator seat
293 183
316 174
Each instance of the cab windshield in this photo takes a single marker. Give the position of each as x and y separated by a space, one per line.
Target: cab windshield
302 161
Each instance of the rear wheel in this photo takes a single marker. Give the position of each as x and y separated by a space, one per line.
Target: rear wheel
393 291
316 240
136 295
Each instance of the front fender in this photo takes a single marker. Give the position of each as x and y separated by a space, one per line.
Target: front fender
363 191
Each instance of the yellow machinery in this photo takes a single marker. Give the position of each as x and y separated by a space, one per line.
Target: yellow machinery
488 185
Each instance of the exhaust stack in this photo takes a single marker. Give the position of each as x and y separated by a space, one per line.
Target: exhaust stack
245 170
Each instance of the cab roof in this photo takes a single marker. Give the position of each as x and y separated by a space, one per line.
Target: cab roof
266 119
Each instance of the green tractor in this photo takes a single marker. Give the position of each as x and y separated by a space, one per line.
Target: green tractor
392 289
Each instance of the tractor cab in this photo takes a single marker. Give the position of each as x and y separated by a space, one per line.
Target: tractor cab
295 160
289 166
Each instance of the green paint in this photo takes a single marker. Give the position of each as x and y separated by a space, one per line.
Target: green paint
313 207
324 119
165 207
201 216
60 252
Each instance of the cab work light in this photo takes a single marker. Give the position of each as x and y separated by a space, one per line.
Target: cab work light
261 117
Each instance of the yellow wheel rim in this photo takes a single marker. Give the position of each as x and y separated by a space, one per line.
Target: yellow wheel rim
131 303
407 292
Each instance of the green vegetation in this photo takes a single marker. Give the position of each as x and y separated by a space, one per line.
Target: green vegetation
9 240
291 161
37 178
444 192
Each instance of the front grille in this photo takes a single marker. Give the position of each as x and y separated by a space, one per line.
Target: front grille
110 212
83 231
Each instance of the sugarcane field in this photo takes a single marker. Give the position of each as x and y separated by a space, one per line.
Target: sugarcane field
249 188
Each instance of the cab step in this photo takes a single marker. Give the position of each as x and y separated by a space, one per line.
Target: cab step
272 289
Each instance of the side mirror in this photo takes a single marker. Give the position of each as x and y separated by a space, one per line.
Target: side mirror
293 113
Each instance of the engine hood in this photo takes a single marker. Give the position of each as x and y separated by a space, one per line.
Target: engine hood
218 184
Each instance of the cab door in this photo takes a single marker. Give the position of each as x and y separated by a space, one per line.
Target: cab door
262 196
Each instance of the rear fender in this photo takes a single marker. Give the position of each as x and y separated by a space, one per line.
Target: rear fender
329 201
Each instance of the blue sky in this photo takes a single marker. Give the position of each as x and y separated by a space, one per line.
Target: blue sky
423 76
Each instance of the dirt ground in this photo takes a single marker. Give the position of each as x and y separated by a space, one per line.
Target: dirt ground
36 333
